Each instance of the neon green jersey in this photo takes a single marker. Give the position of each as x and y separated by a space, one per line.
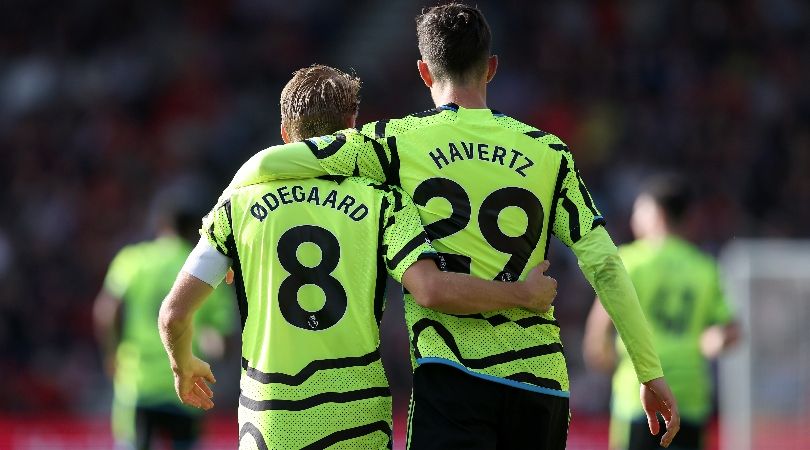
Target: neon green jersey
491 191
679 291
141 275
311 259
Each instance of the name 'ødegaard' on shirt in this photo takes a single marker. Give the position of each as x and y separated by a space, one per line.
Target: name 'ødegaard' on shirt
288 195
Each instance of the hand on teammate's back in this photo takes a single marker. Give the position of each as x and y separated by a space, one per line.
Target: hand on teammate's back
190 383
656 397
541 288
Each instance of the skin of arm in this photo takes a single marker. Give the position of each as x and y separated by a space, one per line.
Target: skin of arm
107 314
599 261
718 338
175 323
455 293
598 347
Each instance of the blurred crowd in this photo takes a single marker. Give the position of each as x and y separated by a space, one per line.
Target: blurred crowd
104 105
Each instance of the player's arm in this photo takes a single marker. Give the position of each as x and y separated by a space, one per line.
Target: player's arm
107 314
411 260
109 304
600 263
345 153
175 323
215 320
718 338
724 331
598 348
578 224
456 293
203 271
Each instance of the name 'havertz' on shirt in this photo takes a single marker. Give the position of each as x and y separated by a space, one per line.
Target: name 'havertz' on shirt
513 158
287 195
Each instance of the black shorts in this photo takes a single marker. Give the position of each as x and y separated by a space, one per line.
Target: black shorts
689 437
451 409
168 422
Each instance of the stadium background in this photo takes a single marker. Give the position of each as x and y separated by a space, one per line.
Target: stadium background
104 105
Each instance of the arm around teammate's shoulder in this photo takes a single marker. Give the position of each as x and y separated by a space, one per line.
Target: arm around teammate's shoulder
456 293
344 153
280 162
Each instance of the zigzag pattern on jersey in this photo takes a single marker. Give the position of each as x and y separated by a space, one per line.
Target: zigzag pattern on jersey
500 319
255 433
549 139
392 127
315 400
555 143
305 374
341 435
491 360
310 369
351 433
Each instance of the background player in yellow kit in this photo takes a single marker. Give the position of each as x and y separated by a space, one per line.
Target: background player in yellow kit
679 289
144 403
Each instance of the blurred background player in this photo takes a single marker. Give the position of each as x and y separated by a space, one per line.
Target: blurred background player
509 186
679 290
145 407
310 275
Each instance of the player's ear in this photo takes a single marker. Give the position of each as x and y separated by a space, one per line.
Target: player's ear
351 120
492 67
424 73
284 136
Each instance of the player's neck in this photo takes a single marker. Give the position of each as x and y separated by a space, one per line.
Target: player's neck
470 97
658 236
165 232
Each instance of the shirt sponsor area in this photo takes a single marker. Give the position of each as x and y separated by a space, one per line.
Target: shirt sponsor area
287 195
464 151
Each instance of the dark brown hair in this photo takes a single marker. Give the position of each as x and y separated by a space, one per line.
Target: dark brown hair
317 101
673 194
455 41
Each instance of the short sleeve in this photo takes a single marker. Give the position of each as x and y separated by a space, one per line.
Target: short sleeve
575 214
216 228
207 264
123 269
404 238
354 153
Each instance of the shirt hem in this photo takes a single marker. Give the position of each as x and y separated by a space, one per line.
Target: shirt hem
494 379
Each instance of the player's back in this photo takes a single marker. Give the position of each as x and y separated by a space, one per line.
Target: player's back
679 290
311 290
142 274
488 188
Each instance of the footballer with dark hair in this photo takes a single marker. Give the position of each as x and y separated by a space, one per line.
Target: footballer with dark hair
680 292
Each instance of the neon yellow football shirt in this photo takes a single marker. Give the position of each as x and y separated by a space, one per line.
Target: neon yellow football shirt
311 259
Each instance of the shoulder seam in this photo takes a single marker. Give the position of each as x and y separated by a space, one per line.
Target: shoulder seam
404 133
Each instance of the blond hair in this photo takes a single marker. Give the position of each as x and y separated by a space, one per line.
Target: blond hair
318 100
